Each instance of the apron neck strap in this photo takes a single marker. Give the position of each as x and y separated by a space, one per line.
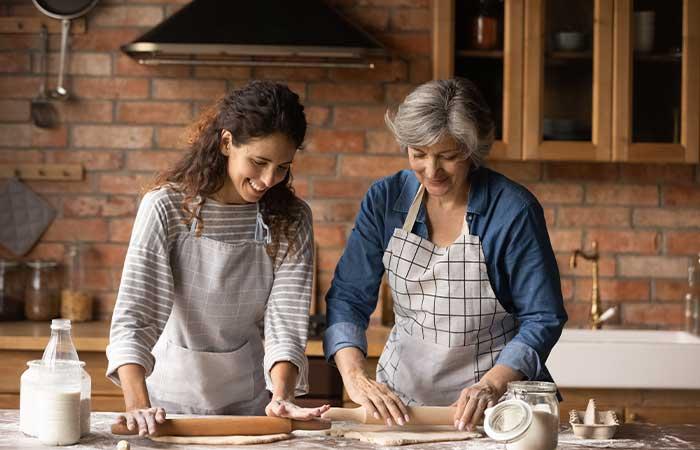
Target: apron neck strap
195 221
262 231
413 210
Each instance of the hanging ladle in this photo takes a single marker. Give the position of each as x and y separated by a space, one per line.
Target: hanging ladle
43 113
64 10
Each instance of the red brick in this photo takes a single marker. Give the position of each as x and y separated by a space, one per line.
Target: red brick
188 89
91 160
407 43
372 166
657 173
118 205
309 164
17 42
384 71
84 111
317 115
606 266
328 258
112 136
171 137
301 188
15 135
611 194
518 171
18 87
652 266
565 240
110 88
549 216
98 279
341 188
411 19
683 242
667 218
291 73
46 251
82 206
359 117
420 70
62 187
567 288
332 141
53 137
76 229
681 196
566 171
579 314
120 230
104 304
124 184
670 290
370 19
23 156
558 193
14 62
330 235
614 241
104 40
382 142
154 112
151 160
397 92
650 315
345 93
126 16
94 64
334 211
569 216
14 111
128 67
614 290
227 73
105 255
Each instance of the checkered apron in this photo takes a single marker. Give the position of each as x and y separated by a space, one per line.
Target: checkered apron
450 327
209 359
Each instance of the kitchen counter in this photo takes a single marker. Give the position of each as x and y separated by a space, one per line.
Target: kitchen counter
94 337
630 436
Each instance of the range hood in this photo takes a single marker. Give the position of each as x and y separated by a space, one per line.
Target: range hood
256 32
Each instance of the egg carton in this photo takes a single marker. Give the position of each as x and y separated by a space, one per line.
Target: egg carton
594 424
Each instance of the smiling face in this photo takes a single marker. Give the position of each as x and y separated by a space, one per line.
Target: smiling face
254 167
442 167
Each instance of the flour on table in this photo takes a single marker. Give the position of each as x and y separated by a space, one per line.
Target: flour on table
223 440
408 434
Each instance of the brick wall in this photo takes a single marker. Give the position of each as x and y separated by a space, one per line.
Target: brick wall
126 121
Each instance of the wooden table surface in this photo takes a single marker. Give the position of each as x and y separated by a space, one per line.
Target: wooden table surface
630 436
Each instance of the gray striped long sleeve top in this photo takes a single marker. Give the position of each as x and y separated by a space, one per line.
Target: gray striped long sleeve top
145 296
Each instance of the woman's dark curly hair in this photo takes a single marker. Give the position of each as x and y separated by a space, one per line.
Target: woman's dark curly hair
259 109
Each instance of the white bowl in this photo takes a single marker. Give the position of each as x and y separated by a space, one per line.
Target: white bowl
569 40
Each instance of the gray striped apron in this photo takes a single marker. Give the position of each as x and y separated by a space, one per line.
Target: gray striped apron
209 359
449 326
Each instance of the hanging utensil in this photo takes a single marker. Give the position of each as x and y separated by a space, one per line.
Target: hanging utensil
43 112
64 10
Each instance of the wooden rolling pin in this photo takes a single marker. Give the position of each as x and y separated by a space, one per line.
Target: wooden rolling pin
419 415
228 426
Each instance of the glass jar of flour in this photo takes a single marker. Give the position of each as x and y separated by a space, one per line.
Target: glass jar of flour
528 418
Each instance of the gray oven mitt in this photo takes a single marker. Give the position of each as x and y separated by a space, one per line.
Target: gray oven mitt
23 217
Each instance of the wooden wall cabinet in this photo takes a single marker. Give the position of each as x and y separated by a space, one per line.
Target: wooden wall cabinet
574 80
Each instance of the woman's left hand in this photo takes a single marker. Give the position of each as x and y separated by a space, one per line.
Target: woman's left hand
472 402
285 408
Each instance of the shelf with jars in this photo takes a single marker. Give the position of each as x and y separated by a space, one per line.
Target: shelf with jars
582 80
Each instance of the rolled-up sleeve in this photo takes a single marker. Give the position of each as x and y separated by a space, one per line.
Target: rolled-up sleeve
535 288
352 296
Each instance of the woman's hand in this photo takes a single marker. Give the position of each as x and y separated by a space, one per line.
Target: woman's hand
281 407
472 402
145 420
377 399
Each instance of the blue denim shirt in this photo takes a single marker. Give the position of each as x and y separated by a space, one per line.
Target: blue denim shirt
519 258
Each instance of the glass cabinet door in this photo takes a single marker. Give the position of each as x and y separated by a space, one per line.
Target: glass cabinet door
657 81
568 80
483 43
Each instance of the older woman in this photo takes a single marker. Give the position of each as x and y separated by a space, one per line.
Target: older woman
476 289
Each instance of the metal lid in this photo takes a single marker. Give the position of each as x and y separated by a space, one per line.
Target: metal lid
532 387
508 421
42 264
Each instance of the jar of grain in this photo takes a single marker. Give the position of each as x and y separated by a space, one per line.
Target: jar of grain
76 304
11 290
43 291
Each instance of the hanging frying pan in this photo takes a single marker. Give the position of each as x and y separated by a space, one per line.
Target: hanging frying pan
63 10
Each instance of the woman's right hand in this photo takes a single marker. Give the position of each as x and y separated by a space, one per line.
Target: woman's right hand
145 420
377 399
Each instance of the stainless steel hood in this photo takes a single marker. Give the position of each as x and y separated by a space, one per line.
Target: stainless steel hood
256 32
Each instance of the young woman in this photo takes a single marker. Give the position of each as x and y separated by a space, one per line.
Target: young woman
220 258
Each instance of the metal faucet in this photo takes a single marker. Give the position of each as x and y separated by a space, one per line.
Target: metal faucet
596 318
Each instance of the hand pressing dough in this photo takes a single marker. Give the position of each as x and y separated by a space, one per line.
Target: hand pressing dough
223 440
408 434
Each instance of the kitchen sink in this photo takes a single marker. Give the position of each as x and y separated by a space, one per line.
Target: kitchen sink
634 359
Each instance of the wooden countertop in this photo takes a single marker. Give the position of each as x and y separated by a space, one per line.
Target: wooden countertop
94 337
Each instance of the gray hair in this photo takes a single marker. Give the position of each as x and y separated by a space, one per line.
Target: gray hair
441 108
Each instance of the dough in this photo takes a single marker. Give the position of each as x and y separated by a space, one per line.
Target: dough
223 440
409 434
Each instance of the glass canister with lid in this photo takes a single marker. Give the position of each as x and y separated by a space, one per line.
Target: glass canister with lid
43 291
528 418
11 290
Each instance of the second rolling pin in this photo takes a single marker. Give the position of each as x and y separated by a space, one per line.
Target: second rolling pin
419 415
